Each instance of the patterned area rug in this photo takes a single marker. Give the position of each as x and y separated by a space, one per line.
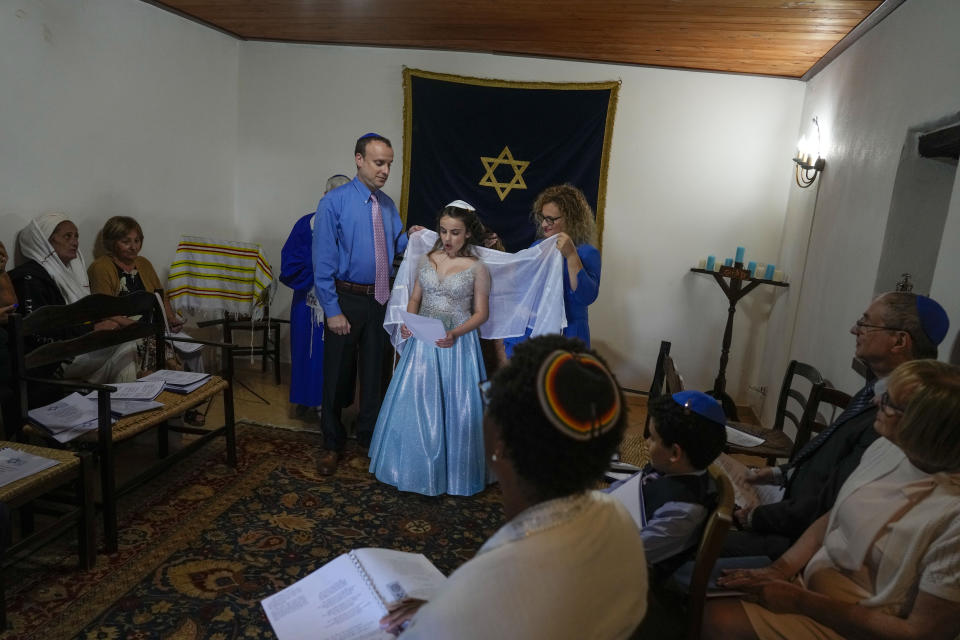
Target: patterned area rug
204 543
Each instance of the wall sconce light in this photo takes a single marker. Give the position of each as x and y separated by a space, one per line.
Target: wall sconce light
808 160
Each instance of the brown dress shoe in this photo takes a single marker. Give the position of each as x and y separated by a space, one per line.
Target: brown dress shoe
327 464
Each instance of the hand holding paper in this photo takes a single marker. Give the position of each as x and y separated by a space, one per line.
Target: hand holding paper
425 329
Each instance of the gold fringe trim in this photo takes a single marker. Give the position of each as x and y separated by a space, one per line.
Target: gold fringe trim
612 85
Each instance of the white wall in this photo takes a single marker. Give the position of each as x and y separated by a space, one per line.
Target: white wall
901 74
946 278
113 107
116 107
700 163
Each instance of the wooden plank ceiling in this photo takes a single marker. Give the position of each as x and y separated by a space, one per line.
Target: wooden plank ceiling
773 37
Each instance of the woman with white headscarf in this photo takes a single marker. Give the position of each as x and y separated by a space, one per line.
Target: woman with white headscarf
53 271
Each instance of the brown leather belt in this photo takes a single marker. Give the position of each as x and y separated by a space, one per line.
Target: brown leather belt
352 287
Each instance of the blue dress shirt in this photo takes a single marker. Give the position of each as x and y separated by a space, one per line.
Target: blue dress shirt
343 240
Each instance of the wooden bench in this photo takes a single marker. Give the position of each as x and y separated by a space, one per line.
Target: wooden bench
145 307
74 470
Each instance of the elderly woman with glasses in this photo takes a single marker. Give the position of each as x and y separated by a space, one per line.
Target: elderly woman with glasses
569 562
885 562
563 211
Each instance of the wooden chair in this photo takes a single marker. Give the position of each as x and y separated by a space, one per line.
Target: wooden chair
656 386
795 403
816 421
714 534
684 599
672 377
73 470
53 320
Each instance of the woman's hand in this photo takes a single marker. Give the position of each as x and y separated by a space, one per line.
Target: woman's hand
752 578
447 341
175 323
780 596
395 621
107 324
491 240
404 332
565 245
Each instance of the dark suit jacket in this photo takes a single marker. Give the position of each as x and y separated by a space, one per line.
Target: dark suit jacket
814 484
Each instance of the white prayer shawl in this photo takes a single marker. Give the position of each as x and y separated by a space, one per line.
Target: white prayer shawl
34 244
526 289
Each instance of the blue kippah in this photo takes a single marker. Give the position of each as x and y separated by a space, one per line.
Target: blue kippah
371 135
701 404
933 319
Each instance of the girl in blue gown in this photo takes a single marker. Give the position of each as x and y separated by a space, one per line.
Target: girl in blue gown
563 211
428 438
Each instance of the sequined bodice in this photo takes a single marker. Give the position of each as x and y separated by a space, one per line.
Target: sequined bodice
449 299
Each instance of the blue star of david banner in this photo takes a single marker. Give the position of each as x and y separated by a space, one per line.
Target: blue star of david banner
497 144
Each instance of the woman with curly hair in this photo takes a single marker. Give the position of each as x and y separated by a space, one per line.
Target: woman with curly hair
569 562
563 211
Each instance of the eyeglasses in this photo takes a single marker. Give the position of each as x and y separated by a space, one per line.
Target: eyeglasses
861 327
484 393
548 219
888 407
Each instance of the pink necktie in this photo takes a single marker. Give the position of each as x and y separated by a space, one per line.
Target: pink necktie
381 284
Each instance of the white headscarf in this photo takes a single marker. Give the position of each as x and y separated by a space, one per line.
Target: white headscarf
34 244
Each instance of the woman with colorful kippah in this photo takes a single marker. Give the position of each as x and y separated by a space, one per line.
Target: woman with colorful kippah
563 211
428 435
569 563
885 561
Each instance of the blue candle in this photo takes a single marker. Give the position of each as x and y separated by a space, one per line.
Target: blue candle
752 267
728 262
768 274
740 253
711 261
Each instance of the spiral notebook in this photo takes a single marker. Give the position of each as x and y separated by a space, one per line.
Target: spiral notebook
345 598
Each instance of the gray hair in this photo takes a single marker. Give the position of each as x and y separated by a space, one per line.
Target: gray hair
335 181
901 312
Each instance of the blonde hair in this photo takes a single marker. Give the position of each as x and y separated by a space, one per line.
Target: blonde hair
578 221
929 431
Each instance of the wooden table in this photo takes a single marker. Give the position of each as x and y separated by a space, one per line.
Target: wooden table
731 281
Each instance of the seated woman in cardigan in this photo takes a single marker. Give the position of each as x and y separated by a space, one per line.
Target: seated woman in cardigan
885 561
122 270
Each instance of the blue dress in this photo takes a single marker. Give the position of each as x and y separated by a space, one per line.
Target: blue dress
575 303
429 434
306 337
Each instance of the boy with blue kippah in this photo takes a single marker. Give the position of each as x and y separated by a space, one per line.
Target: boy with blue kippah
687 433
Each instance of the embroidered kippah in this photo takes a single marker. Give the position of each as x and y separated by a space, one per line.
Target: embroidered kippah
933 319
578 395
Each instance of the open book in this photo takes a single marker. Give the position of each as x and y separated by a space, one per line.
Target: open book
345 598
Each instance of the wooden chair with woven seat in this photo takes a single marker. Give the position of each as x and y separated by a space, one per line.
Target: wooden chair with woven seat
53 320
795 404
72 469
268 347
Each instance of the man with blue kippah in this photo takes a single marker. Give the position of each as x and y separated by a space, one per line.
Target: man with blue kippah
357 233
897 327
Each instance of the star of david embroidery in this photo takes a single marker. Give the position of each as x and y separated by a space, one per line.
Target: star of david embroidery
491 164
